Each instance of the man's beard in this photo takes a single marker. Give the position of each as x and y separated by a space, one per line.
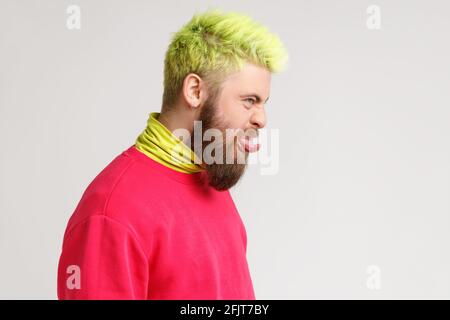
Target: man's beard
221 176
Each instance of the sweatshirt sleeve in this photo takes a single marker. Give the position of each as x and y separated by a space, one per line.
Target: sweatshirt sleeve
102 259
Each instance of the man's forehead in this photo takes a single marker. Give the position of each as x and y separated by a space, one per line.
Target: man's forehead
248 83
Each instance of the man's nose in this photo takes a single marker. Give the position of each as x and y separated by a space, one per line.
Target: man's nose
258 118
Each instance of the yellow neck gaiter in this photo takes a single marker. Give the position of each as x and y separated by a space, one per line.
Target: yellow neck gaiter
158 143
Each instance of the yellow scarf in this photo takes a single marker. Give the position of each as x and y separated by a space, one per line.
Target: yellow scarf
157 142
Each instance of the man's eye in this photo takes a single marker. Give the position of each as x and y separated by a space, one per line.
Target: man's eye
252 101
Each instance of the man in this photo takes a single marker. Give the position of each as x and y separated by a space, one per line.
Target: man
159 222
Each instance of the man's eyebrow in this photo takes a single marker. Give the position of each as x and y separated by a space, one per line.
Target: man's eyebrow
257 97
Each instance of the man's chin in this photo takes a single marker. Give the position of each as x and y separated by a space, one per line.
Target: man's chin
224 176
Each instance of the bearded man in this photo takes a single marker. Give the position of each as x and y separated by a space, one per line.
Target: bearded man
158 222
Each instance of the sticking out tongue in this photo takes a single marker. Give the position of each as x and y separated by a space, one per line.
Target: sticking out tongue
249 144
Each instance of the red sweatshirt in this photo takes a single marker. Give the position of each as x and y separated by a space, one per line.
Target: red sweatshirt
145 231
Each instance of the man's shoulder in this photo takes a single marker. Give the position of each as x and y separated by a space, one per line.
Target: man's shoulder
120 189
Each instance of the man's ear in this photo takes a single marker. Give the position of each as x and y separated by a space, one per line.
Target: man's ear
194 90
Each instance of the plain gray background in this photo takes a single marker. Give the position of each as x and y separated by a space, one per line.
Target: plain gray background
363 115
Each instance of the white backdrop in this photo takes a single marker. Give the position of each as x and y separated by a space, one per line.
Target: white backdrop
360 205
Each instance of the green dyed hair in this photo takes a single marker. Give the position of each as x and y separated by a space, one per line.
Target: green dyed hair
215 44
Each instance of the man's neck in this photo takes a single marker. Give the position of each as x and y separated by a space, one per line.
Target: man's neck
179 118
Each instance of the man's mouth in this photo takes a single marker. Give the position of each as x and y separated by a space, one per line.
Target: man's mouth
249 144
